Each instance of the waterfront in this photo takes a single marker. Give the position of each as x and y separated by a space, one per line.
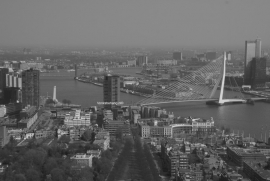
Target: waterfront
241 117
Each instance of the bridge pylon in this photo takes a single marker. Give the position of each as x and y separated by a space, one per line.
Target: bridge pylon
220 100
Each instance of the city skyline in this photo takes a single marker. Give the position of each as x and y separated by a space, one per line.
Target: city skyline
194 24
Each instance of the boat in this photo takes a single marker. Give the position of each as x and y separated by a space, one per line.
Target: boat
71 70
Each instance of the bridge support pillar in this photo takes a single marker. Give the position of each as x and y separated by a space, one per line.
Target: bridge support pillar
220 100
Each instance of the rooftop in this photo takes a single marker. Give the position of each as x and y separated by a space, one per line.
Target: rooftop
80 156
259 170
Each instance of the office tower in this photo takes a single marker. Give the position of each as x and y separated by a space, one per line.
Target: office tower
177 55
4 138
142 60
30 87
111 90
258 73
252 50
3 72
75 67
211 56
229 55
188 54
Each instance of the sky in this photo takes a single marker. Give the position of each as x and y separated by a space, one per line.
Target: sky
134 23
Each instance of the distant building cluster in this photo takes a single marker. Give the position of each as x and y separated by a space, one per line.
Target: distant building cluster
19 97
165 128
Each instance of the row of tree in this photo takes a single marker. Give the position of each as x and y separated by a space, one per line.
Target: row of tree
151 162
121 162
102 167
143 159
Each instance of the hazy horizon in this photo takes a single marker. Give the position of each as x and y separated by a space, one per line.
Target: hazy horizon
209 24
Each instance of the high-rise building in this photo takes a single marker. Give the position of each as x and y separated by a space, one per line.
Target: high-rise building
252 50
3 73
229 55
177 55
258 73
12 95
188 54
111 90
4 138
142 60
211 56
30 87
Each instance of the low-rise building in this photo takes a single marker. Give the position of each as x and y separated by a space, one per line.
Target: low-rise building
29 135
135 115
104 144
166 62
180 129
112 125
202 126
28 117
78 118
255 171
82 159
44 133
75 133
239 155
94 153
2 167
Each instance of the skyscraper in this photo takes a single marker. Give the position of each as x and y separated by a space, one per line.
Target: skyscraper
177 55
141 60
3 73
30 87
258 73
111 90
252 50
211 56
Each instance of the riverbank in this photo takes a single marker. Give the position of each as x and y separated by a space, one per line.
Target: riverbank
127 91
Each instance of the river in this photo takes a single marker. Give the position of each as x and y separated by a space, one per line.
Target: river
252 119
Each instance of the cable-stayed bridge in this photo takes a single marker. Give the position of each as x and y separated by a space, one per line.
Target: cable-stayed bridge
205 84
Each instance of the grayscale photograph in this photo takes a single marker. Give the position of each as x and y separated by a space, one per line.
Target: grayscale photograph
134 90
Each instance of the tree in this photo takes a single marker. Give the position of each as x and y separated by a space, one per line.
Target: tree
64 139
57 174
91 147
107 154
20 177
86 174
49 165
87 135
32 175
119 133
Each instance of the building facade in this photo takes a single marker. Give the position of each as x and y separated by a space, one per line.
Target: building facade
77 118
3 73
82 160
177 56
30 87
141 61
111 91
258 73
211 56
252 50
4 138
